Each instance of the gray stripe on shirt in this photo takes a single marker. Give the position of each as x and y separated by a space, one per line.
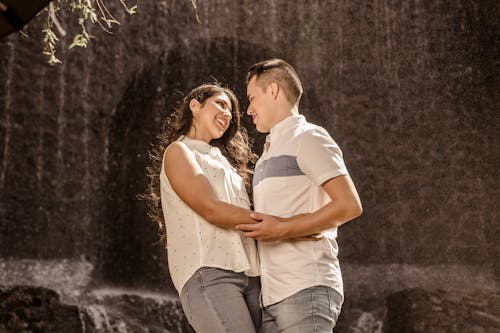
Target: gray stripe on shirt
278 166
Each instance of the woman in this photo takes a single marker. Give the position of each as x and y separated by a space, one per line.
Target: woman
214 269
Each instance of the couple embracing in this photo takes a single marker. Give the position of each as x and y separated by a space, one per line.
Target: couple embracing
274 269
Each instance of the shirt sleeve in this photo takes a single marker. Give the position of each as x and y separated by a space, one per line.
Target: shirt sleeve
319 156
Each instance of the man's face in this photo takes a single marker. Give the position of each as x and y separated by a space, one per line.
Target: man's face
260 107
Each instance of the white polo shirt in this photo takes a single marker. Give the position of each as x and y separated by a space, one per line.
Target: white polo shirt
287 181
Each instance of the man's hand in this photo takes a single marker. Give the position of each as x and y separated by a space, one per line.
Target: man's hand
270 228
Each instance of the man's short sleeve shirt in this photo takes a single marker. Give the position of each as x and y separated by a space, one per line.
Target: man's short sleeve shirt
287 181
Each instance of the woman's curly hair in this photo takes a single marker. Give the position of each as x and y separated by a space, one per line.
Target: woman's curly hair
234 145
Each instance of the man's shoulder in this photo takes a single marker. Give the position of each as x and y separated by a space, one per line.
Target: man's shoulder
310 129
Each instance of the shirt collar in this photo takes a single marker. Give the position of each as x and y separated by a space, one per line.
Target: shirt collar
285 124
199 145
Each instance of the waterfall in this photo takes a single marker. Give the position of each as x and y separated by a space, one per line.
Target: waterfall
131 311
98 316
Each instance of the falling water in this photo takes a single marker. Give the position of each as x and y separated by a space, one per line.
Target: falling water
8 106
131 311
98 316
39 147
61 117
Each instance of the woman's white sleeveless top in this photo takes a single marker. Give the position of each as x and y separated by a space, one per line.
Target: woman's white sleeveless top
192 242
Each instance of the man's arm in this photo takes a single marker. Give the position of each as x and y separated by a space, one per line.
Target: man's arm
191 185
345 205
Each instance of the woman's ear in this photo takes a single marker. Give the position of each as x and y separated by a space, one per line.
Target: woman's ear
194 105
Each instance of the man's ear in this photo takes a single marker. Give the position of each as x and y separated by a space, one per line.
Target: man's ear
194 105
274 89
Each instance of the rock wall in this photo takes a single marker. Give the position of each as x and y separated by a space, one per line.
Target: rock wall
419 310
28 309
409 90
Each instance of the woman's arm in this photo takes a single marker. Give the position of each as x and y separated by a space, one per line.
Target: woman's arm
344 206
191 185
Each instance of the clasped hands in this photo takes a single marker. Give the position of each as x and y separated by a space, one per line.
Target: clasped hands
269 228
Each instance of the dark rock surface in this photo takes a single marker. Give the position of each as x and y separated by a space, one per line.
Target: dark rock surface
36 310
418 310
39 310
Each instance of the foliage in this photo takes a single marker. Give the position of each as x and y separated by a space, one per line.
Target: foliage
87 11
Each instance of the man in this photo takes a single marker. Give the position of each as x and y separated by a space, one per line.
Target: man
300 176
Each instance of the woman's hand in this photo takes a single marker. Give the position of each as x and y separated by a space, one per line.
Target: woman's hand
272 228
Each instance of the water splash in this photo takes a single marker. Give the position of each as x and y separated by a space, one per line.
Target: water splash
68 277
101 293
367 323
97 320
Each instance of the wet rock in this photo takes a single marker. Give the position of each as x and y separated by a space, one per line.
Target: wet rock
39 310
36 309
413 310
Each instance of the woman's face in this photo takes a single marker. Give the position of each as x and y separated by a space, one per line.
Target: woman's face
212 119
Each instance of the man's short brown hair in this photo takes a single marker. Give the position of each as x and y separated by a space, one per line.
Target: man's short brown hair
281 72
